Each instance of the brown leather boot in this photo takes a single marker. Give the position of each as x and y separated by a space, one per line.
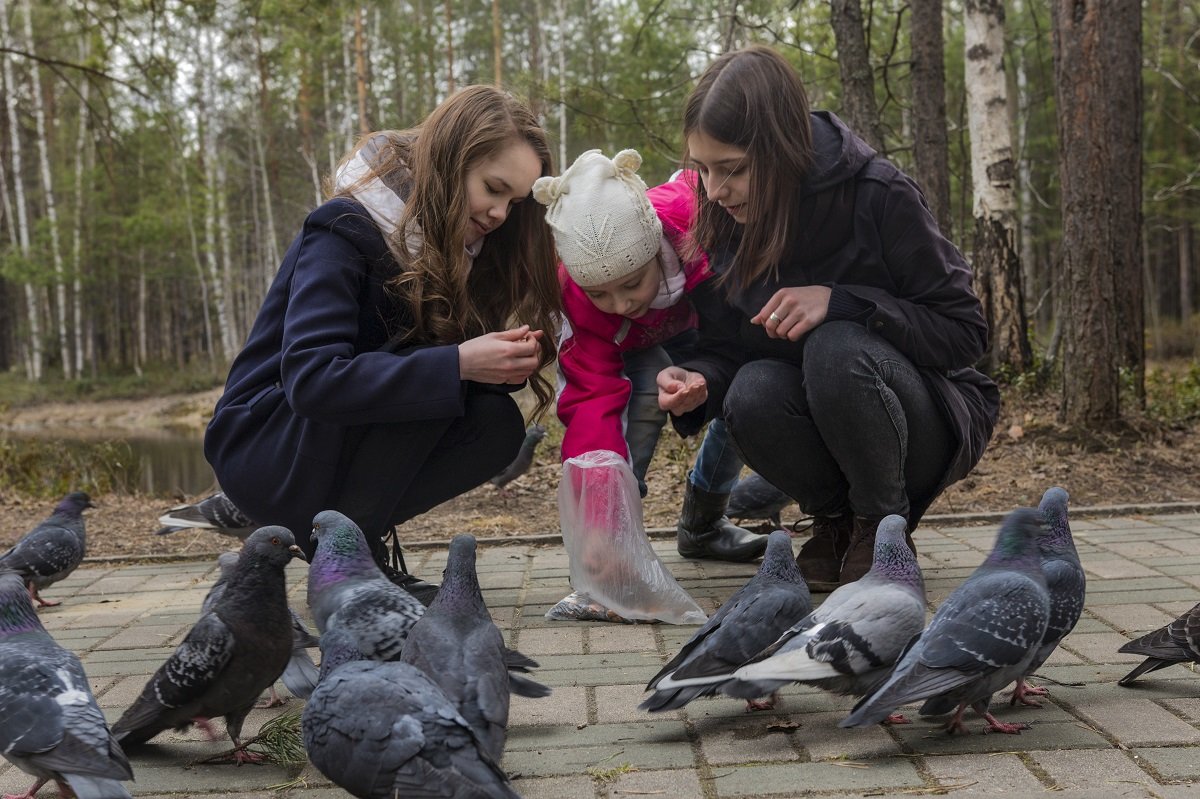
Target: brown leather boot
820 557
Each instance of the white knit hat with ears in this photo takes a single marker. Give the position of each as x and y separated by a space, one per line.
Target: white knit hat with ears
604 227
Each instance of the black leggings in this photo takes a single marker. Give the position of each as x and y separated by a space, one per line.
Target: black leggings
393 472
854 428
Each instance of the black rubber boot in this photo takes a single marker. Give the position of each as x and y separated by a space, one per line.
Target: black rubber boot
820 557
705 532
393 567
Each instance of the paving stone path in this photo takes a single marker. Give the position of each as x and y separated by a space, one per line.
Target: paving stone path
588 740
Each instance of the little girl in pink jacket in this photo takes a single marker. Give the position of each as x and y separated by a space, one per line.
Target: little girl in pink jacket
627 316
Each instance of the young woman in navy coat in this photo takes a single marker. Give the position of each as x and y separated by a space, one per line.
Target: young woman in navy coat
376 379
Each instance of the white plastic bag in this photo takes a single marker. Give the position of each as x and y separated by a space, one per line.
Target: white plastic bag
613 567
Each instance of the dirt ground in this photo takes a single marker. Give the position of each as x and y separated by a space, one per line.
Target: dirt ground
1147 463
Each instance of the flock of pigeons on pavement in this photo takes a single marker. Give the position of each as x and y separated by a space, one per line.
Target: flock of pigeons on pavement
412 701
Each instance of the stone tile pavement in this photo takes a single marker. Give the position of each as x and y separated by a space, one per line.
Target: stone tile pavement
588 739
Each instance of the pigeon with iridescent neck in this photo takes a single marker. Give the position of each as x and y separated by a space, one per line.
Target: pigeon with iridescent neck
982 637
1064 579
458 645
348 591
850 642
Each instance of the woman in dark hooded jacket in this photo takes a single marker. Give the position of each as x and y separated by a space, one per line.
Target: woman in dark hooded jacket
841 330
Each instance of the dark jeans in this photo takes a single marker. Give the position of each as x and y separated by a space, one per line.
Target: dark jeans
852 429
393 472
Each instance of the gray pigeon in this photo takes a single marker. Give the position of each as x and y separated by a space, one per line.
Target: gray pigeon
520 464
215 512
1178 642
230 656
300 675
50 724
750 620
1064 579
385 730
849 643
460 648
982 637
347 590
52 550
754 498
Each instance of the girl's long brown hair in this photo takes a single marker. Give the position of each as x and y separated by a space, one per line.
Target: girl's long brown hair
753 99
513 280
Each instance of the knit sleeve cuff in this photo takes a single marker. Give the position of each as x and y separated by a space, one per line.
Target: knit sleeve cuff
843 305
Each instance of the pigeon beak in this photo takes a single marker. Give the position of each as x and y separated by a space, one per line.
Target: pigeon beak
297 552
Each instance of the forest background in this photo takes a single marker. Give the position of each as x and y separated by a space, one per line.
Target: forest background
157 157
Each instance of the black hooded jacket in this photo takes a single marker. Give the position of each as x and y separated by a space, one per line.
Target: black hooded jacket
869 236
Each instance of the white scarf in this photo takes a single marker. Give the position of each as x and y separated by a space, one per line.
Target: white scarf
670 289
383 202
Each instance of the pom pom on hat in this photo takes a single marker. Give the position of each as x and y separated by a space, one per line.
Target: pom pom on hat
603 225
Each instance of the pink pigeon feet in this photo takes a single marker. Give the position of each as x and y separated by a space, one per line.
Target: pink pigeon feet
995 725
30 793
896 718
241 755
42 603
1024 690
766 703
206 727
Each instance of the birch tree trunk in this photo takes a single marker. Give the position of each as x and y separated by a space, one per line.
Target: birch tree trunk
211 187
562 84
858 80
83 150
497 35
449 9
997 268
360 71
930 150
1097 62
33 351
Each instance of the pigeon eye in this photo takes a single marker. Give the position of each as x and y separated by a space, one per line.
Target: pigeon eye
275 540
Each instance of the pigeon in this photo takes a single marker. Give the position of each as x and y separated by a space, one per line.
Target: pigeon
300 674
849 643
50 724
384 730
1178 642
230 656
459 647
754 498
347 590
533 436
215 512
1064 579
982 637
52 550
774 598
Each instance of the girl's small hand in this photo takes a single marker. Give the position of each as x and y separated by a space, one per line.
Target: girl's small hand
791 312
509 356
680 391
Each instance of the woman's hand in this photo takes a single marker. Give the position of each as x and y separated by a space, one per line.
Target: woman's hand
509 356
680 391
791 312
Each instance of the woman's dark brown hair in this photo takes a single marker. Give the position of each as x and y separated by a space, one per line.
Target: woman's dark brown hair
513 280
753 99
